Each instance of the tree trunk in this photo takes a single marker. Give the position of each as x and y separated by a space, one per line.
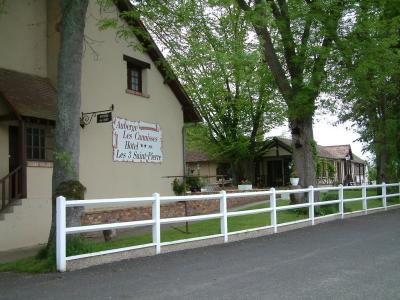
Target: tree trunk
67 131
302 145
237 172
382 164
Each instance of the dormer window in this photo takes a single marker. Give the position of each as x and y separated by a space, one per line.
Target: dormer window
136 76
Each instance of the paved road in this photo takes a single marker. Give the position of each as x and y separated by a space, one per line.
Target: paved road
358 258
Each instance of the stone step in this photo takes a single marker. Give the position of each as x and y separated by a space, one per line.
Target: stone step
10 208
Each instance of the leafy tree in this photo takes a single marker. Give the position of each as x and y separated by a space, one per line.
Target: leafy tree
372 173
297 39
368 75
219 63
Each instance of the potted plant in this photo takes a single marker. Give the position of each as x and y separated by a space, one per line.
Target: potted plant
179 187
194 183
294 177
245 185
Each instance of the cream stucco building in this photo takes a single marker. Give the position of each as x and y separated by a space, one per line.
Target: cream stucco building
115 74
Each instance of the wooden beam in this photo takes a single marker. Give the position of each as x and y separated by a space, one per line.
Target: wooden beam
8 117
32 120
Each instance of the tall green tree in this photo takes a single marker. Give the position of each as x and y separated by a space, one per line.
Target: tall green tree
67 131
297 40
368 76
214 55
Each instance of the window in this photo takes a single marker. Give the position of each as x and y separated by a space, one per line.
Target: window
134 79
36 143
136 75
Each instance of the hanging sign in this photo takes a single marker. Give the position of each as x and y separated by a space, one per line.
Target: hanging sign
136 141
104 117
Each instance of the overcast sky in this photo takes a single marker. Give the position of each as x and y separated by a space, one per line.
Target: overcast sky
326 134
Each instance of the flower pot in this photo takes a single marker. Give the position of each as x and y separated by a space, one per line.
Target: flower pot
285 196
244 187
294 180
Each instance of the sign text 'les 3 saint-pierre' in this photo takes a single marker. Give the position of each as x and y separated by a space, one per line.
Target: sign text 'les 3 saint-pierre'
136 141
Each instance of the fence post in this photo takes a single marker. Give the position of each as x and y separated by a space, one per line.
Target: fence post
364 196
274 220
341 203
224 218
384 195
156 225
60 234
311 203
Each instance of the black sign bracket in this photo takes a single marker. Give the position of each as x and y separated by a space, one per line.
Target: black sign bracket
103 116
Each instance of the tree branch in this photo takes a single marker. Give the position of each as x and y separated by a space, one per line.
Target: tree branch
243 5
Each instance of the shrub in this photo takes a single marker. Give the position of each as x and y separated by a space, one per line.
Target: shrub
71 189
293 170
331 170
179 187
194 183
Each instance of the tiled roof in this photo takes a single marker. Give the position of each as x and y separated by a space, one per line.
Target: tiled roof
287 142
333 152
196 156
323 152
339 151
28 95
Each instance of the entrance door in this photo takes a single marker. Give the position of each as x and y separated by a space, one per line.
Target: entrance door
275 173
14 159
13 150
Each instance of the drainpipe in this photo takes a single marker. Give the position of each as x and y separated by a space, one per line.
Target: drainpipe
185 126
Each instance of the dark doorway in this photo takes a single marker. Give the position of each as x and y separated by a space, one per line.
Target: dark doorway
14 159
275 173
225 170
286 171
13 150
339 172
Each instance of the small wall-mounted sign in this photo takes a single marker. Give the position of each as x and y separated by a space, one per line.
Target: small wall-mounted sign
104 118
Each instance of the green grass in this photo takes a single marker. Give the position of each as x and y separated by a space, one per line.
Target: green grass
196 229
76 245
357 205
33 264
79 245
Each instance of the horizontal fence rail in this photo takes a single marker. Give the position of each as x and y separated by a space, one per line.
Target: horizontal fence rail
156 221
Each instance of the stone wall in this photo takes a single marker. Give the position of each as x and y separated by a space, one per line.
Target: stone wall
170 210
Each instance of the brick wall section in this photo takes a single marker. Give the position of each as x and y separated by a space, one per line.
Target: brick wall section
170 210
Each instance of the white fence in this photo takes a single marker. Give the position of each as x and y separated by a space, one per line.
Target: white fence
223 214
